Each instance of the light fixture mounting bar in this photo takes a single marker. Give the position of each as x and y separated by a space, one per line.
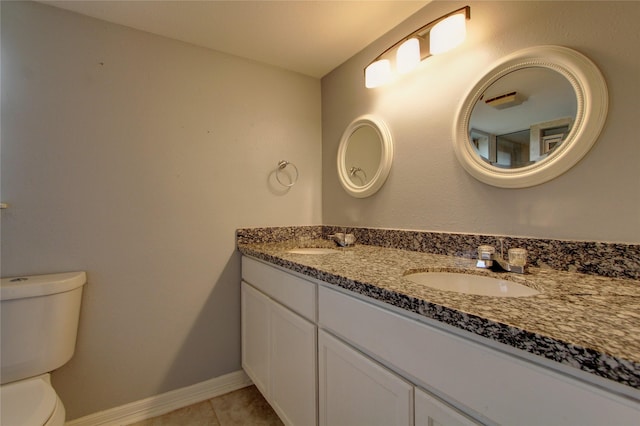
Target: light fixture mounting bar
424 30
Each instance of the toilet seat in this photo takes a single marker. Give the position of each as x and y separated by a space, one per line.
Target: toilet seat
31 402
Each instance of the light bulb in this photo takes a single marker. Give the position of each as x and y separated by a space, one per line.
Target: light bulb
408 56
377 74
447 34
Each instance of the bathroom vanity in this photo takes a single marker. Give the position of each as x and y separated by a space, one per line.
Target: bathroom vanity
344 338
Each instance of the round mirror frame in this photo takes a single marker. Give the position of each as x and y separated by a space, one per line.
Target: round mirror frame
592 96
386 157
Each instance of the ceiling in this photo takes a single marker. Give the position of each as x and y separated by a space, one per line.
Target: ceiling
310 37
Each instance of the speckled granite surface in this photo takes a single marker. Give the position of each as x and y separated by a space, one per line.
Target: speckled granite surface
586 321
614 260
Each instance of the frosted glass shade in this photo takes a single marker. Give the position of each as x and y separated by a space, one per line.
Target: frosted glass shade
377 74
408 56
447 34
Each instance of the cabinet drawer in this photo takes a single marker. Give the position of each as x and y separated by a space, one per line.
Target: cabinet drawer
476 378
295 293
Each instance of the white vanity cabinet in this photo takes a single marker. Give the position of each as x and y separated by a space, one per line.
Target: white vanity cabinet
323 355
356 391
484 383
279 338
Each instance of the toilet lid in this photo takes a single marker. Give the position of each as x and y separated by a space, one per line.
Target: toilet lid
27 403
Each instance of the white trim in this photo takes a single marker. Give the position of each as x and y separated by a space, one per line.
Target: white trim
386 157
166 402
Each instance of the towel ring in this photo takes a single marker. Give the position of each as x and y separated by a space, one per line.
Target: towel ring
354 170
282 164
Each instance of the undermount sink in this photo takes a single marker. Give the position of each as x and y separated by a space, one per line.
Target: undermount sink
471 284
313 250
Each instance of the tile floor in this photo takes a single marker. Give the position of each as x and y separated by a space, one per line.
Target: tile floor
242 407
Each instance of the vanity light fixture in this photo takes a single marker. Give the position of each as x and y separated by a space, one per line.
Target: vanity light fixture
439 36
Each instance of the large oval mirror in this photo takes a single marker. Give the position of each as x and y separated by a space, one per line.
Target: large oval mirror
364 156
532 117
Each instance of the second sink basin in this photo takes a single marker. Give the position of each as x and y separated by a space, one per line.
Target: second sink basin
471 284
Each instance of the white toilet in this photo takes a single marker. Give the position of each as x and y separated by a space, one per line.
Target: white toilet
39 320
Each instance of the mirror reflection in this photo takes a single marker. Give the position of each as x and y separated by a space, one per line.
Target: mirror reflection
362 157
523 117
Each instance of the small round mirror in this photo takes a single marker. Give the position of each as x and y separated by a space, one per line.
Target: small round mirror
532 117
364 156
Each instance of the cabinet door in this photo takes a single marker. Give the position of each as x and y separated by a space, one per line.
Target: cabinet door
354 390
431 412
255 336
293 367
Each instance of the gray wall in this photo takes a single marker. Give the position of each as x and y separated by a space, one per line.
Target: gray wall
135 157
598 199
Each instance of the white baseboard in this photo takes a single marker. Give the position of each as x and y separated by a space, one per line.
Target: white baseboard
166 402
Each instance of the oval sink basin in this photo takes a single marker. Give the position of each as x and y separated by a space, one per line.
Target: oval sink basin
471 284
313 250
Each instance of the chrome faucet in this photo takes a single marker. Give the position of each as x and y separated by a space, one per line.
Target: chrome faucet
487 256
343 239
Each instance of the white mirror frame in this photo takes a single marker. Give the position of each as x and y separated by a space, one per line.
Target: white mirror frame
386 157
592 96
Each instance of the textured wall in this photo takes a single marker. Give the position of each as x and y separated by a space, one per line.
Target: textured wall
598 199
135 158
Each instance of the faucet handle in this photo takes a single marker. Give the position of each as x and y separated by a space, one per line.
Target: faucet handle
349 239
486 252
517 256
485 256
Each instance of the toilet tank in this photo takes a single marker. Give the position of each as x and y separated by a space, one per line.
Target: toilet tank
39 323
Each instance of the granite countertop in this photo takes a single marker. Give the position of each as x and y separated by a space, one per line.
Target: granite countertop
585 321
